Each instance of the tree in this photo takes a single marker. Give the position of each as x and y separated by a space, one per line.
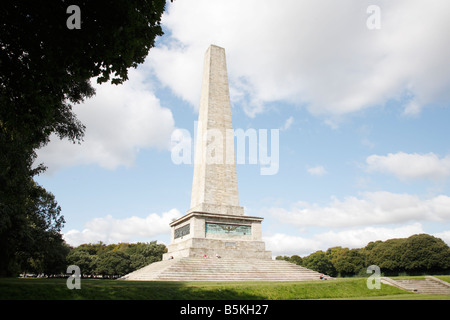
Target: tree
285 258
51 257
38 245
45 68
113 263
386 255
296 259
420 253
425 253
81 258
347 261
320 262
115 259
142 254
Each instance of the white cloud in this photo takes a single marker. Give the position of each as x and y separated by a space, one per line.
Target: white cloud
410 165
371 208
317 171
358 238
445 236
179 68
120 120
112 230
315 53
287 124
282 244
412 108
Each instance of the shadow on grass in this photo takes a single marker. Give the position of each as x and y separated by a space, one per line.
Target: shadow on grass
56 289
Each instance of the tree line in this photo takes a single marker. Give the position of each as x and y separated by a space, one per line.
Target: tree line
417 254
98 260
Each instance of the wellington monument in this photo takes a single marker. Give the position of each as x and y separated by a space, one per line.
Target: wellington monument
215 224
214 240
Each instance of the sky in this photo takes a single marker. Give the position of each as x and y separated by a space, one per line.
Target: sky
359 92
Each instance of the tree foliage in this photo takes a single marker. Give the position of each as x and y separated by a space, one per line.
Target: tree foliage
116 259
320 262
346 261
418 254
38 246
45 69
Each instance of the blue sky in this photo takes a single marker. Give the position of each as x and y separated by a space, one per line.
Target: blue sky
362 116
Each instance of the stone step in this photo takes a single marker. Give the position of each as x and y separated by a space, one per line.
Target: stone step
430 285
425 286
246 269
200 269
235 274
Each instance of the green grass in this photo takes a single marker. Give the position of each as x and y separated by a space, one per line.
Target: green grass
350 288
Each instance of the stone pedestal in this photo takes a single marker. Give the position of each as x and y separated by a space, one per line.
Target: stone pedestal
228 236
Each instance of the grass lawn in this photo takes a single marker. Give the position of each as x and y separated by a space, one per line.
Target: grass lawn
91 289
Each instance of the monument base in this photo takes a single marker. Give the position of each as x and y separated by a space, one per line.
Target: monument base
229 236
197 248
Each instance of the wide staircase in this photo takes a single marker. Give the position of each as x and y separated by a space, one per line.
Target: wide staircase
429 285
220 269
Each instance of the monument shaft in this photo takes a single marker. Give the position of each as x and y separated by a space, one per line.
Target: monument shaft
215 187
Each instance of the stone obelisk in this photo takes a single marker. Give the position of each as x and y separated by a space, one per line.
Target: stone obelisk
215 224
215 187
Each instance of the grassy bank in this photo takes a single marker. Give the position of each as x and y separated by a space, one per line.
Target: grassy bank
352 288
